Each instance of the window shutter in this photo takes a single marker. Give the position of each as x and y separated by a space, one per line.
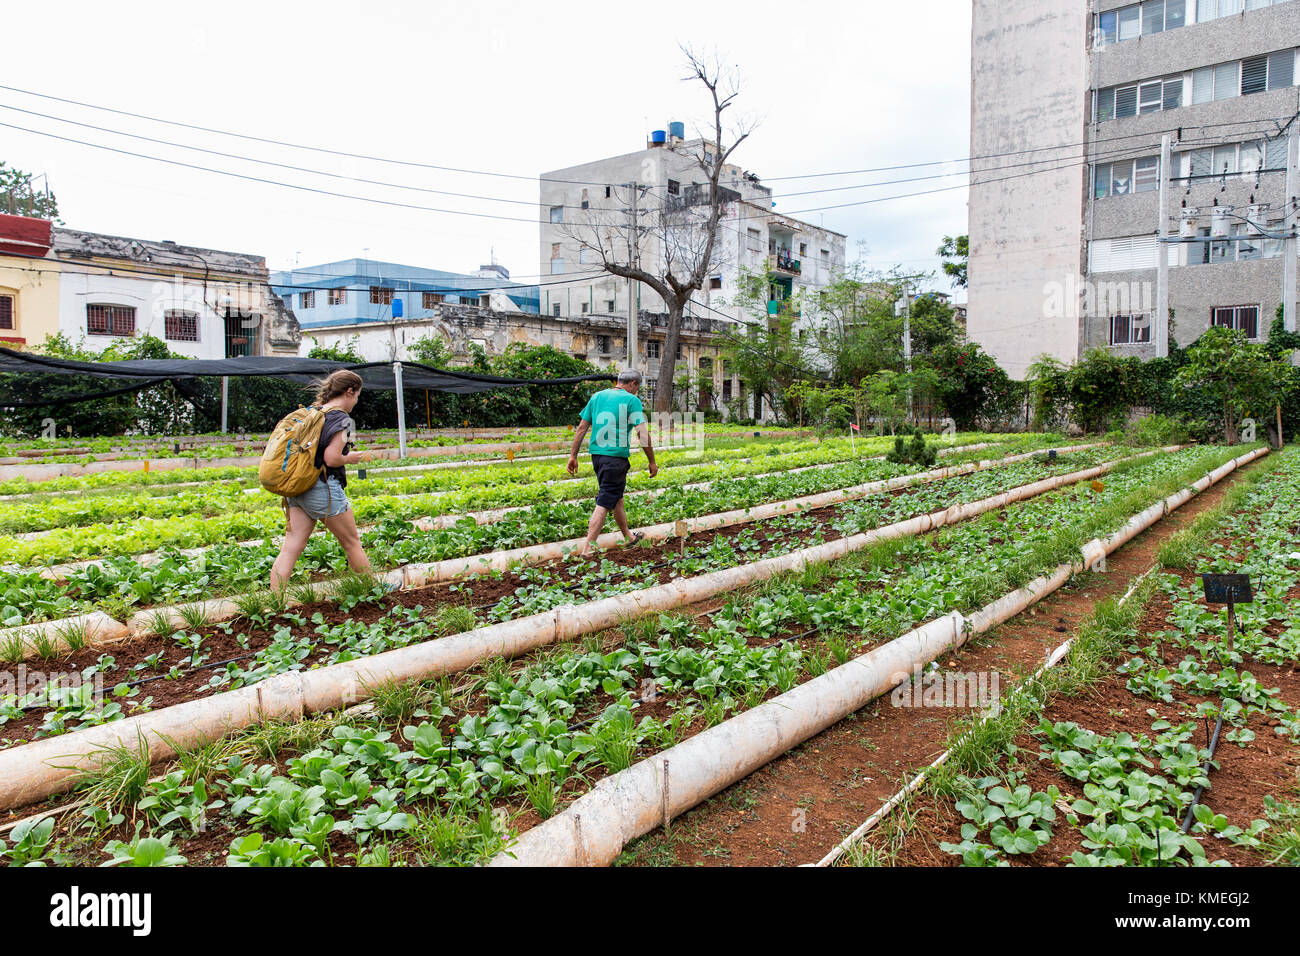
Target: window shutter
1147 176
1126 101
1227 80
1105 105
1203 84
1281 69
1275 153
1101 181
1153 17
1173 94
1130 22
1150 97
1254 75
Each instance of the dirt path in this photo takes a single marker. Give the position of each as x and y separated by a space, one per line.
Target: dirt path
795 809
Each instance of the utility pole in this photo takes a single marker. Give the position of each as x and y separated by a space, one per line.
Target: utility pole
1161 319
1290 210
633 258
906 312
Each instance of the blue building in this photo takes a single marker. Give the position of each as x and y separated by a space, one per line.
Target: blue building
363 292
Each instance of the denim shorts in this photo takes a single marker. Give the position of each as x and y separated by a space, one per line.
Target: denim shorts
322 500
611 476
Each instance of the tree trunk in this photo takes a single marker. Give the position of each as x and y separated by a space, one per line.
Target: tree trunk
663 399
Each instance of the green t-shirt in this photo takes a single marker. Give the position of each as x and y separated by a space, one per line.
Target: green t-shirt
614 414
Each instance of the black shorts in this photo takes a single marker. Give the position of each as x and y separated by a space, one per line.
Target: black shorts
611 473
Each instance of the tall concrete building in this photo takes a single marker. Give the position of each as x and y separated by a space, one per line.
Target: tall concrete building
1072 103
592 204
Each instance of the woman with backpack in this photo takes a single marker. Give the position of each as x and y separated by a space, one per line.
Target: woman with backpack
336 395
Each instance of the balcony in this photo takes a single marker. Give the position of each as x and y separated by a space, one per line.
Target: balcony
782 307
783 262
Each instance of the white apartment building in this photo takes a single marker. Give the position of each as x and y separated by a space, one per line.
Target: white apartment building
599 195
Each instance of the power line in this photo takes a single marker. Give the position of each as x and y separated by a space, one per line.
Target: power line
515 176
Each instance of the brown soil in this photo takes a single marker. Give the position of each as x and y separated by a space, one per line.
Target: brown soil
1246 773
797 808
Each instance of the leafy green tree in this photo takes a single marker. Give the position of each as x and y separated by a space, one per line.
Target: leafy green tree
955 251
19 198
1243 378
970 382
337 353
1102 388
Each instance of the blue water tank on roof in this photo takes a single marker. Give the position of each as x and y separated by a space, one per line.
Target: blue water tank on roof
677 130
658 136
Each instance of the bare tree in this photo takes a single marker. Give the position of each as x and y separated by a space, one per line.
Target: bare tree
674 247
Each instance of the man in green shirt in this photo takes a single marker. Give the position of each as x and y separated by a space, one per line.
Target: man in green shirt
611 416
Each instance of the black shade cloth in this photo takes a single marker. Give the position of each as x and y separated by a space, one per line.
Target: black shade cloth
376 375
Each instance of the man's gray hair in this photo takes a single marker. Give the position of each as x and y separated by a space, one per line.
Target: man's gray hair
629 375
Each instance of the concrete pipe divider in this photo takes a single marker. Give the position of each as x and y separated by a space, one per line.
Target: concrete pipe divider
593 830
43 768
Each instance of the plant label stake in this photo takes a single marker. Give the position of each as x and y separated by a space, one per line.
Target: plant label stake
1229 589
681 529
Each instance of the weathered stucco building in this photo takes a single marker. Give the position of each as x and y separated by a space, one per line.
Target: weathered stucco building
98 288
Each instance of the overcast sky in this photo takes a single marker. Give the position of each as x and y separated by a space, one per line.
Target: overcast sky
512 88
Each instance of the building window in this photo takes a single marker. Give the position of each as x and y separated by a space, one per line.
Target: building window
7 312
602 343
1142 19
609 305
1243 318
1127 176
653 349
1130 329
338 296
674 187
1118 102
557 214
110 320
180 326
582 255
430 299
715 282
803 248
306 300
583 308
381 295
555 309
607 192
557 267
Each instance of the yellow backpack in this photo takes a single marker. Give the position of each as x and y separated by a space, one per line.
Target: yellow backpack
288 466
